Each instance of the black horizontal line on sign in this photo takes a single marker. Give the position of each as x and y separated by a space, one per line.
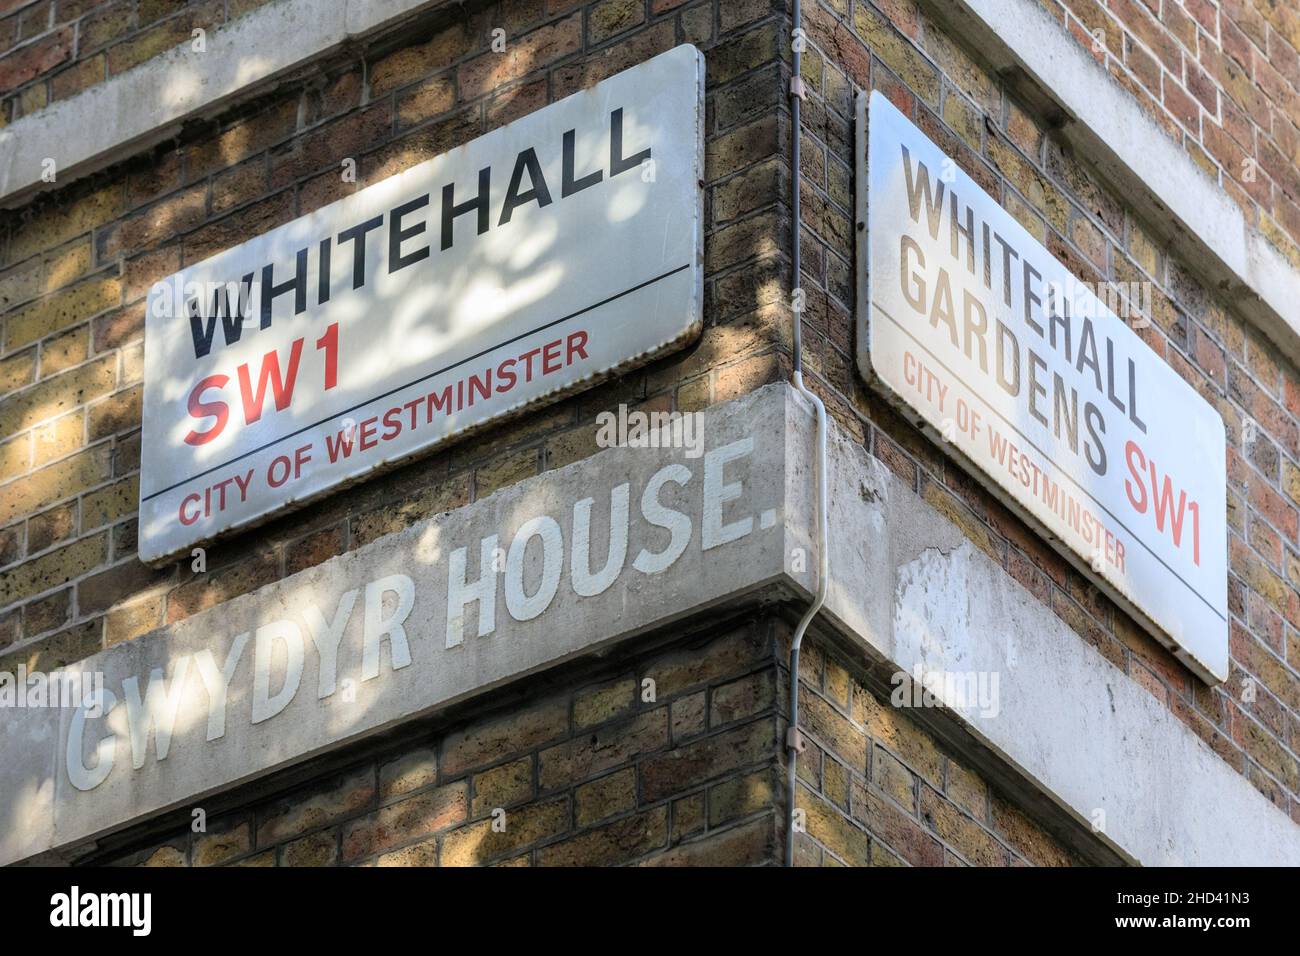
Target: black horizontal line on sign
1025 438
417 381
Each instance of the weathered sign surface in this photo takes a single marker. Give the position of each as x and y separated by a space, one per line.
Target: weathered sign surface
1034 385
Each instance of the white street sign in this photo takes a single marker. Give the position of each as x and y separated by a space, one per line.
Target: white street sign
1037 388
526 264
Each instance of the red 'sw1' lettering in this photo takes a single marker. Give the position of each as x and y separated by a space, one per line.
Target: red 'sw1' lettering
270 378
1162 499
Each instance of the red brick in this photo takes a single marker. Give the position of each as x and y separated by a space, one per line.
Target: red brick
533 51
34 59
415 816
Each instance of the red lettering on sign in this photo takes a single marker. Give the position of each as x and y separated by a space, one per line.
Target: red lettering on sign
200 409
269 374
1162 499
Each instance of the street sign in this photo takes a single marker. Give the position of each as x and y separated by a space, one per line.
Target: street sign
1029 380
524 265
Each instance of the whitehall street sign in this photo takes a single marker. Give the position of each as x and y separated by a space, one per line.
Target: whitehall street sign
1038 389
526 264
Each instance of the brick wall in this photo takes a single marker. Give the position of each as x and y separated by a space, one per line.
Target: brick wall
1253 720
593 774
877 789
1221 77
76 265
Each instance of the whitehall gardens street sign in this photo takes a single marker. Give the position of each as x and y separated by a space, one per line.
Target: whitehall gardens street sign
1036 387
526 264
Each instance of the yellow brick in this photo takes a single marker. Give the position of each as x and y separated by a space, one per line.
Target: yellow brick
963 71
747 376
59 649
61 310
833 830
505 471
478 842
605 797
614 16
56 395
968 791
424 853
1291 480
34 98
414 62
56 224
430 98
60 437
972 841
893 778
67 263
212 849
695 395
50 570
135 619
118 413
741 796
570 446
20 283
133 363
897 54
1023 130
1143 248
1278 237
1090 240
838 683
1026 837
15 457
61 352
165 856
502 786
688 815
149 43
835 782
444 496
108 504
55 482
1044 197
964 118
536 49
617 842
896 731
84 73
51 527
595 705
